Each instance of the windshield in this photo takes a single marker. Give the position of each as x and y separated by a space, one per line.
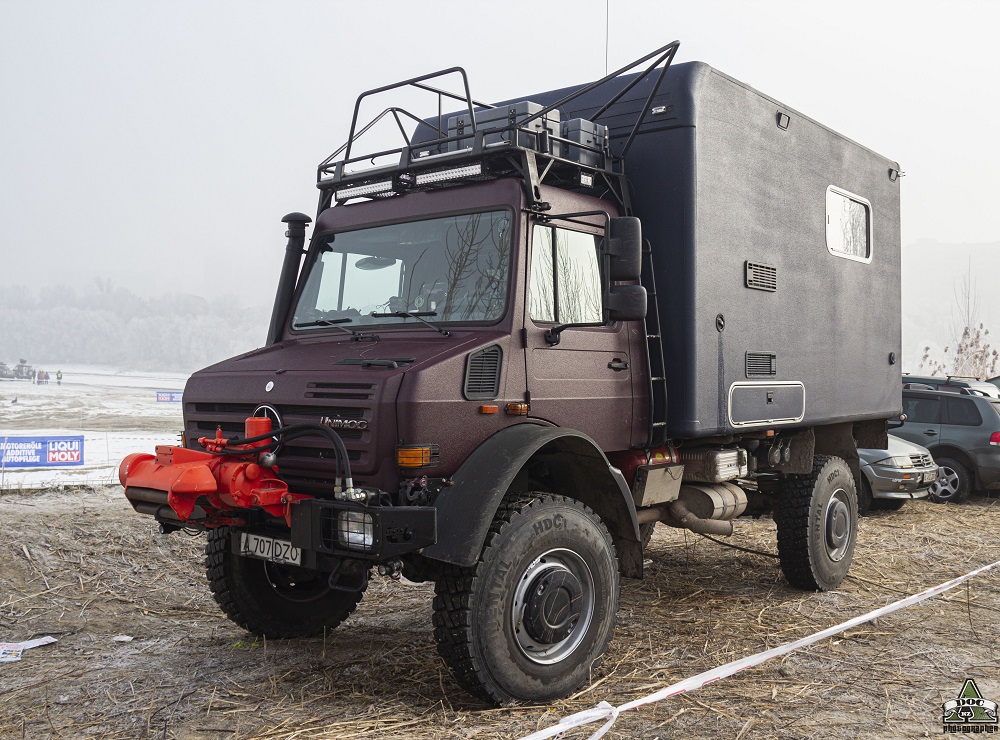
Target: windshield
447 269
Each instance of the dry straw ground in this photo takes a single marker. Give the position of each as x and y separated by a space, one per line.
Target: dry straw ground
81 566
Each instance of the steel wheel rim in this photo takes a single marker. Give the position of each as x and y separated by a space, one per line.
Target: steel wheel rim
837 528
946 484
535 593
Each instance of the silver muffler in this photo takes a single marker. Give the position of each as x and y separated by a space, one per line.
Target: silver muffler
705 508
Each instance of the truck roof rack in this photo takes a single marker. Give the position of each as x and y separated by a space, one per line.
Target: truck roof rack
431 158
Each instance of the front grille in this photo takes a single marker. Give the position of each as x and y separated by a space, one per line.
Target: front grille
315 453
225 408
921 461
345 391
311 458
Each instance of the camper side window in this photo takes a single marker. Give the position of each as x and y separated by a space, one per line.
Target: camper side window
565 282
848 225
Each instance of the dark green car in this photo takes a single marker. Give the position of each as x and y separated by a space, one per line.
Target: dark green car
962 432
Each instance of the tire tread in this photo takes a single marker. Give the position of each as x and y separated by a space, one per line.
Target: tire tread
218 561
792 519
453 619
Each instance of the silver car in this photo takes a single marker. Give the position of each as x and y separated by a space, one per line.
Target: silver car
894 476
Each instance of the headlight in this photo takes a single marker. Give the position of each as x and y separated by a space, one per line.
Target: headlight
896 462
355 530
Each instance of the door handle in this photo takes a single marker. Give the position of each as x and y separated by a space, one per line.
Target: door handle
618 365
930 433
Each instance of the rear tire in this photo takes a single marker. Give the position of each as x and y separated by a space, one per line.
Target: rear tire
954 482
270 599
646 533
532 619
817 519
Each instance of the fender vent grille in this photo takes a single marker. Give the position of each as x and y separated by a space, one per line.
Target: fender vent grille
761 277
482 374
761 364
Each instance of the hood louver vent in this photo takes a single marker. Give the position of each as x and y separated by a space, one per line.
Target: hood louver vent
482 374
761 277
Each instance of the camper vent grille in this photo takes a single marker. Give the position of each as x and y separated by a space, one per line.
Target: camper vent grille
482 374
761 365
762 277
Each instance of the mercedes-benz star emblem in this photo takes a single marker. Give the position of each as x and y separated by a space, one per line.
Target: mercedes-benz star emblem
269 412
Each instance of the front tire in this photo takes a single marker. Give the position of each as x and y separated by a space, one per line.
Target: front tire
817 519
532 619
271 599
954 482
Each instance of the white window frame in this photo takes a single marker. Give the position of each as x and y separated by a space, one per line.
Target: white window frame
871 219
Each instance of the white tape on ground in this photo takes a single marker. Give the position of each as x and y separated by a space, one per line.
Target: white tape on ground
605 711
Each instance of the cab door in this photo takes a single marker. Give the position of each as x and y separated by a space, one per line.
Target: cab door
585 380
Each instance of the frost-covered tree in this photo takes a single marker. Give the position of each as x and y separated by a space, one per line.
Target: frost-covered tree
971 355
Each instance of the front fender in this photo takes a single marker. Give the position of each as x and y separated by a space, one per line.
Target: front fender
466 508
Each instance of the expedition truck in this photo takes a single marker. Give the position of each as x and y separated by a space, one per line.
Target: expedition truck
517 341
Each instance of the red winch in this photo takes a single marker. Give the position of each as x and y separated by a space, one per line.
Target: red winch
208 488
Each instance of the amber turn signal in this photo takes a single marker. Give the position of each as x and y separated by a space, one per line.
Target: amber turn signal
416 456
517 409
489 409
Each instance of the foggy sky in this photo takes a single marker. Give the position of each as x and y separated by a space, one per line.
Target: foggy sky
158 144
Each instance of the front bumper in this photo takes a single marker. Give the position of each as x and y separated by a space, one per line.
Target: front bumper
899 483
376 533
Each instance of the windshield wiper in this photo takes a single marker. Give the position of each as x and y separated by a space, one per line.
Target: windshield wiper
356 335
418 315
326 322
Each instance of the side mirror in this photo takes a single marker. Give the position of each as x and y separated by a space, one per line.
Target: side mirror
624 245
626 303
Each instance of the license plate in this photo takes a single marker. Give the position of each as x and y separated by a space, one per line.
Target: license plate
930 476
268 548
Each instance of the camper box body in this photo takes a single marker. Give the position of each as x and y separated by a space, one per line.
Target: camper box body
764 324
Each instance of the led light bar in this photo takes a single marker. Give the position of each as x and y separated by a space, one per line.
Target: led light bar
452 174
368 189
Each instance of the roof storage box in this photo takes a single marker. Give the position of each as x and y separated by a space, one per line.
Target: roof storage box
588 134
512 114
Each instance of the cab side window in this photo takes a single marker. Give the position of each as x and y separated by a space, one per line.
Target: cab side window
565 281
922 410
